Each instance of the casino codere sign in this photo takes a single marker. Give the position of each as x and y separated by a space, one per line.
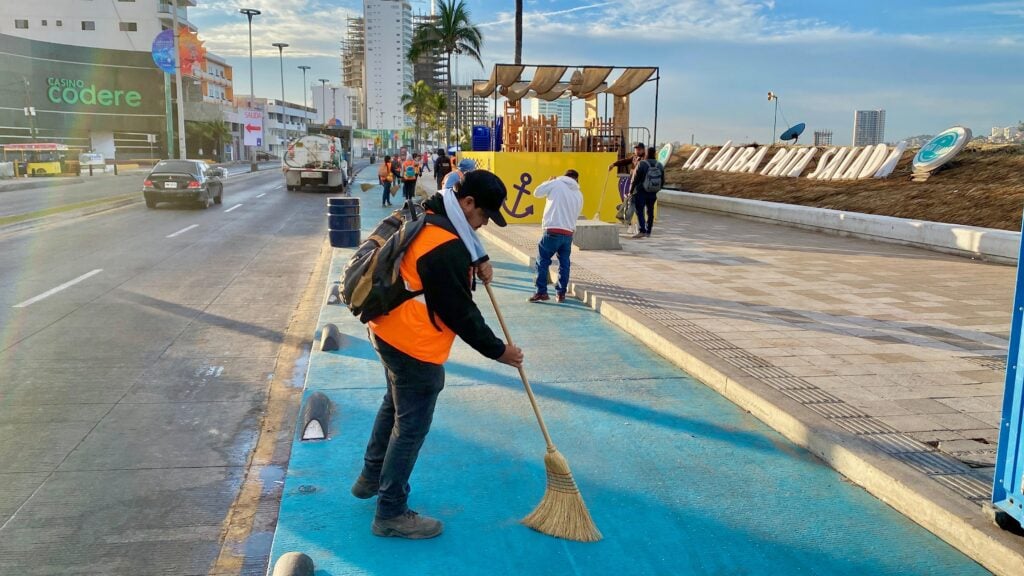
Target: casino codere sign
834 163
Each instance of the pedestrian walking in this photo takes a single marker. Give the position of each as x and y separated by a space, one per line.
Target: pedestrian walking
386 178
441 168
410 172
648 179
414 340
562 209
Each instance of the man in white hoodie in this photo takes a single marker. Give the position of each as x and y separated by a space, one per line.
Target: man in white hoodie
565 201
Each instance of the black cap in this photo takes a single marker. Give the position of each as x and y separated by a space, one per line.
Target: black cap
488 191
640 145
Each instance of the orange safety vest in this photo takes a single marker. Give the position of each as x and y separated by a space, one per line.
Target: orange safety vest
415 169
408 326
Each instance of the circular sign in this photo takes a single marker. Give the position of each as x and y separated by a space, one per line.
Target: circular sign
664 154
941 149
163 51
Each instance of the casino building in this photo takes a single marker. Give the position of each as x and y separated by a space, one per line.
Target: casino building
86 77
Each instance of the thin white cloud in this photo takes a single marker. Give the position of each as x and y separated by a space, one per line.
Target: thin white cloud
311 28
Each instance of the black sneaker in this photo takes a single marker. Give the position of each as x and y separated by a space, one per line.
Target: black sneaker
364 489
409 525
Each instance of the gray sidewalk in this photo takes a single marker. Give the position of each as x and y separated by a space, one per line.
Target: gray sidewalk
885 361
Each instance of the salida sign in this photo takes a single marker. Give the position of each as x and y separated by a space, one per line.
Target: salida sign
77 92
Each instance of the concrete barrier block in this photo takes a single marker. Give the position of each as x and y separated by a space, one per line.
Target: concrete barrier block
316 417
330 339
333 297
596 235
293 564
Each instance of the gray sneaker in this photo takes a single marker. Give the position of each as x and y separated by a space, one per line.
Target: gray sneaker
409 525
364 489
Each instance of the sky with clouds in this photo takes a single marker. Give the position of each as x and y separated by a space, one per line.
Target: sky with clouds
929 63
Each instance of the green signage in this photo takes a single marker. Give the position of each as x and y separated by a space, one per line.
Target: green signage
68 91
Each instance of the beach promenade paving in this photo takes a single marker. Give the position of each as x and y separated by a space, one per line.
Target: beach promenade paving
886 361
679 479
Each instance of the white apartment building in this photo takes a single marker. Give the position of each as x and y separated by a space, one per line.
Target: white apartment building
868 127
559 107
331 102
110 24
388 72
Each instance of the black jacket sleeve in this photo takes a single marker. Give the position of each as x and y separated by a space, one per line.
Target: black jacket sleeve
445 272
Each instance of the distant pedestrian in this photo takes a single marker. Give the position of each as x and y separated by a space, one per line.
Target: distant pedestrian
426 162
441 168
410 172
630 161
563 207
648 179
385 177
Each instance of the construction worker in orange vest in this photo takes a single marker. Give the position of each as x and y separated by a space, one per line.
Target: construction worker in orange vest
410 172
414 340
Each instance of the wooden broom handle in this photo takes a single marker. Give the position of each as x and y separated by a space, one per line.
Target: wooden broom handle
522 373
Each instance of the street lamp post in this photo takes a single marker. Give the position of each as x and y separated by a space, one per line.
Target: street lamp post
284 115
305 111
774 96
334 102
249 13
177 80
323 100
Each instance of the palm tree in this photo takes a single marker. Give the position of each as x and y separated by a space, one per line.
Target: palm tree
418 102
451 32
207 135
519 32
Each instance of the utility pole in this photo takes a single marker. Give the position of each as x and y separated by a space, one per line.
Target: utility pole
280 53
177 79
323 100
30 110
305 110
774 96
249 13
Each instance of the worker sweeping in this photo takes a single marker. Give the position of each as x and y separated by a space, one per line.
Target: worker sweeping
415 338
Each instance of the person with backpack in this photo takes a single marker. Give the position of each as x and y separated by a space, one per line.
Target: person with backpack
648 179
385 177
410 172
414 338
563 207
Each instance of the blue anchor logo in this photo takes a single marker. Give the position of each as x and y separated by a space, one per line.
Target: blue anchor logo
524 180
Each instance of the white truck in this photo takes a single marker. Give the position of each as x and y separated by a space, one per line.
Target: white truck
315 160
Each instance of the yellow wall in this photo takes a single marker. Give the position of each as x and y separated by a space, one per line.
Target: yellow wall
527 170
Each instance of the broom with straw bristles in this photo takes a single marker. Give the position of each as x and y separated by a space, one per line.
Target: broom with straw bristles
366 186
561 511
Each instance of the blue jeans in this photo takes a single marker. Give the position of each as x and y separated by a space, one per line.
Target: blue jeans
550 245
386 199
402 423
645 202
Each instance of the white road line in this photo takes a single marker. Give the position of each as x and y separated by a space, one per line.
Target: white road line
53 291
261 195
183 230
278 187
233 207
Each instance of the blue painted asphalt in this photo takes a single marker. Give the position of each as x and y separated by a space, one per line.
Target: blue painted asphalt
677 478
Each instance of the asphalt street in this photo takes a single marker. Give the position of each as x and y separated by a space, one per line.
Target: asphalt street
137 347
20 201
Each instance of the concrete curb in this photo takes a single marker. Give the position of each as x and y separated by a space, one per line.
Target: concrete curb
34 184
913 494
971 241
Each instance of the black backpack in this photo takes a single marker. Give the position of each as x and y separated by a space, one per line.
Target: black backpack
655 177
370 282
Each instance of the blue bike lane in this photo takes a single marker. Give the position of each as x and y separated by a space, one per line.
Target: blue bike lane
678 479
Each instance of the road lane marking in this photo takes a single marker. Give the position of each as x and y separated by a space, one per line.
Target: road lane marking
183 230
261 195
53 291
233 207
278 187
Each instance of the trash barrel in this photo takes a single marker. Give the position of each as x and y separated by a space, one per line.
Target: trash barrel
343 222
481 138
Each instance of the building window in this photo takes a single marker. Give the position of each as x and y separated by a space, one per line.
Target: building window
21 24
44 22
129 26
60 22
88 25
